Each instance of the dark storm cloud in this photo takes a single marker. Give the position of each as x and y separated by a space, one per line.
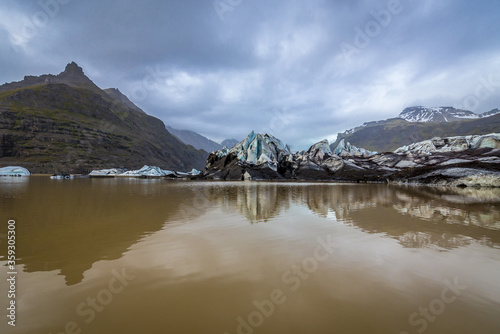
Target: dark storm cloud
302 70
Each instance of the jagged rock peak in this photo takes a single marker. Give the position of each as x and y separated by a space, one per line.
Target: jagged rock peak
73 68
73 74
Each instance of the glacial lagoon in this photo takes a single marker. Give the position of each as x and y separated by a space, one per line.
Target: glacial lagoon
126 255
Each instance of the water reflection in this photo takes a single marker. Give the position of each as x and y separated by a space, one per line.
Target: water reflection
257 202
416 216
69 225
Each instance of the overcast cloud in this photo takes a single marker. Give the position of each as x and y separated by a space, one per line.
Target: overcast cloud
301 70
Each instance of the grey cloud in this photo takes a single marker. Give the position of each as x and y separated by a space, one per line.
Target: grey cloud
266 61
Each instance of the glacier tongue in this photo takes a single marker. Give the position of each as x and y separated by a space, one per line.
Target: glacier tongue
451 144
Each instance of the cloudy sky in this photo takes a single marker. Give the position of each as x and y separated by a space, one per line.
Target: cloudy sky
302 70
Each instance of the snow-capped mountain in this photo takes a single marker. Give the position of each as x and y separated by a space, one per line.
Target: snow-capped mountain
436 115
490 113
419 123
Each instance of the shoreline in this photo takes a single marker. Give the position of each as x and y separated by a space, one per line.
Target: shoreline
294 181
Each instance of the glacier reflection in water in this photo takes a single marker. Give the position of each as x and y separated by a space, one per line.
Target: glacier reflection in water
201 254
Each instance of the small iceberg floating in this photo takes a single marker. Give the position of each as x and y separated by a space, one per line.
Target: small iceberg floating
145 171
62 177
14 171
149 171
108 172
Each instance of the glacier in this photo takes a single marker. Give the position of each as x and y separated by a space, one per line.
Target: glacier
433 161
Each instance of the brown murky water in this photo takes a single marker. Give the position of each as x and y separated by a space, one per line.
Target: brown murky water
156 256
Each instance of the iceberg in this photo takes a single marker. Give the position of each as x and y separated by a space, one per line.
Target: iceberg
345 149
14 171
144 171
108 172
193 172
149 171
62 177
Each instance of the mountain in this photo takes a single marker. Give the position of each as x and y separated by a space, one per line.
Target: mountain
195 139
123 99
72 76
491 113
388 135
229 143
65 123
441 114
200 142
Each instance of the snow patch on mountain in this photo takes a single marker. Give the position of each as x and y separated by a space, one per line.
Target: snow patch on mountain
436 114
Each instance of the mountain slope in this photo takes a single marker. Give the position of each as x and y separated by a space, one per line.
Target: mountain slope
123 99
195 139
388 135
66 123
229 143
490 113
